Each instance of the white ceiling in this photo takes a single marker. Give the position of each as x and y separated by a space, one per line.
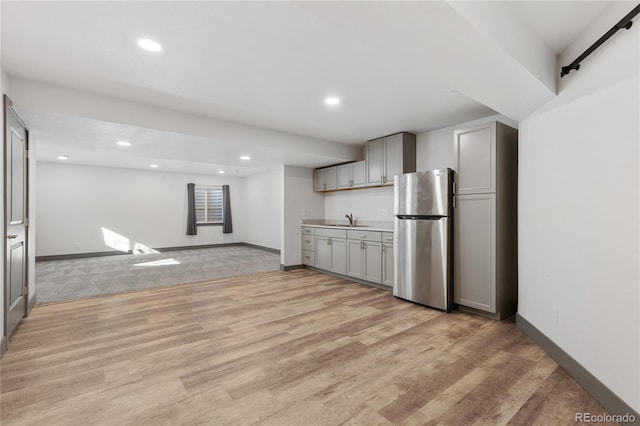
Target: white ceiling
270 65
558 23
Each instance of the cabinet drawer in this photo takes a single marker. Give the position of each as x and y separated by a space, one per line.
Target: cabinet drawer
307 230
308 242
333 233
364 235
308 258
387 237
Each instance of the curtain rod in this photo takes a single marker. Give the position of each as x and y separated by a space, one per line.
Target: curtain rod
625 23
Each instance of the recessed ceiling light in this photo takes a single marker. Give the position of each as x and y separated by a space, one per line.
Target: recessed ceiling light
221 172
153 166
245 157
124 143
332 101
63 157
150 45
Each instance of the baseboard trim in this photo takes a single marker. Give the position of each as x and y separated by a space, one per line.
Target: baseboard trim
160 249
31 304
269 249
3 346
481 313
80 255
352 279
290 267
605 396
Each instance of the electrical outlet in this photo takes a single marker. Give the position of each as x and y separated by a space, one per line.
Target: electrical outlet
303 212
385 212
554 314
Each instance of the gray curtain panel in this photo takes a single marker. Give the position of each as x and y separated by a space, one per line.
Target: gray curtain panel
227 227
192 229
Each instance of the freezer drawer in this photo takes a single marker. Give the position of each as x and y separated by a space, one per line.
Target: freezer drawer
423 262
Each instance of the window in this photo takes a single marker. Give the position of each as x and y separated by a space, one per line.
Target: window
208 205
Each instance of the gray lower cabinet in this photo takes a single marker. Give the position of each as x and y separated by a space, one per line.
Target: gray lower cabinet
388 268
308 248
361 254
323 254
338 255
486 224
372 261
331 254
364 260
475 252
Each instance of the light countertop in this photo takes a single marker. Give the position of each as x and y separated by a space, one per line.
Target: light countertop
377 228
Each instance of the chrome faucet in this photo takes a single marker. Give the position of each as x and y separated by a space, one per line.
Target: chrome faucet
350 217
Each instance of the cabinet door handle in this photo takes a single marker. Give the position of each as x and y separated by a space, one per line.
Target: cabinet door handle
307 241
389 238
329 242
361 236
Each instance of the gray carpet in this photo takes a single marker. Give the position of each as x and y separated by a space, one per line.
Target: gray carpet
58 280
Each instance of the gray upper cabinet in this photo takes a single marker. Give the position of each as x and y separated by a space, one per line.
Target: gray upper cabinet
344 176
325 179
486 227
318 180
330 178
351 175
358 174
374 153
390 156
475 159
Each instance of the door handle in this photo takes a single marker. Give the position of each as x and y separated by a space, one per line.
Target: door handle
12 236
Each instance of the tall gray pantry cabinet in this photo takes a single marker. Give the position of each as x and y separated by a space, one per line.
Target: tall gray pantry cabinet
485 222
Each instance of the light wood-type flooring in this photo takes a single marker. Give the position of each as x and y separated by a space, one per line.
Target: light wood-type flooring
277 348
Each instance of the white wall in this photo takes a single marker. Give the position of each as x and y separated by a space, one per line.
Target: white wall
262 194
374 204
579 214
299 202
148 207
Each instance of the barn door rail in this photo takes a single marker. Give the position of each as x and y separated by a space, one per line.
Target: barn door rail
625 23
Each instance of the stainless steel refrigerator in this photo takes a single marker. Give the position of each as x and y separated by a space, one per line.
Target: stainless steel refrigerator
423 256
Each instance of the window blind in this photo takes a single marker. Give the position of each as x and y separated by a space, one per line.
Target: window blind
208 204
